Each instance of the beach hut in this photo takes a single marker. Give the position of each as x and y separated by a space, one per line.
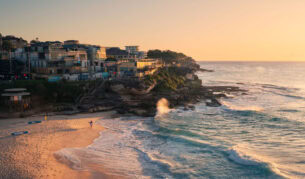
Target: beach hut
16 99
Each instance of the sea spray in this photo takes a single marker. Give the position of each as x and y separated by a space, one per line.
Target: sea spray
162 106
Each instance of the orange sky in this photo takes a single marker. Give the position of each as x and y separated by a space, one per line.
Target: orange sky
260 30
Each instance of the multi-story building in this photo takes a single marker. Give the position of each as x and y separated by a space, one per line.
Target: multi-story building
4 55
147 66
135 50
64 59
96 55
132 49
121 55
148 63
15 41
71 59
138 68
101 53
127 69
129 62
49 58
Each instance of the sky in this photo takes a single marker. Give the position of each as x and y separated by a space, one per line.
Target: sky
233 30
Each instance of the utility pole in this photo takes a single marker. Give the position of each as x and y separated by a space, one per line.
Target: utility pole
28 58
10 58
92 52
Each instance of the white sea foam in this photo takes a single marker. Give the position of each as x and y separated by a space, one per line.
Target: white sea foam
118 150
242 108
68 157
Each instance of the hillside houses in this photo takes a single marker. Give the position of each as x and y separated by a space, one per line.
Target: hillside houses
71 60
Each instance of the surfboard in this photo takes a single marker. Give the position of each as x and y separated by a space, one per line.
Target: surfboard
34 122
19 133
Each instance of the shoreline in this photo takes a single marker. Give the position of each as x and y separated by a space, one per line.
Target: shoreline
32 155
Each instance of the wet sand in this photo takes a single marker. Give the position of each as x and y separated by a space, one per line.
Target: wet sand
32 155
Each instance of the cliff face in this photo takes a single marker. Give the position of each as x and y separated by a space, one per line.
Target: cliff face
179 86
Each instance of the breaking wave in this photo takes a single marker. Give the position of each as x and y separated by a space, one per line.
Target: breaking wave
241 158
242 155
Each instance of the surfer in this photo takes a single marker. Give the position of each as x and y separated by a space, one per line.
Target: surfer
91 124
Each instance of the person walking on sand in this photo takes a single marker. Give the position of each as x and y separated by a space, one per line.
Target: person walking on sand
91 124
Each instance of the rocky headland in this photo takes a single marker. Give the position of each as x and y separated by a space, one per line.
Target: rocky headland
176 81
180 86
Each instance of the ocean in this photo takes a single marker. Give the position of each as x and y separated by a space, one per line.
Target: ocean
260 134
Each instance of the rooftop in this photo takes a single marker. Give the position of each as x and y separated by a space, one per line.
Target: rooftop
15 89
116 51
16 94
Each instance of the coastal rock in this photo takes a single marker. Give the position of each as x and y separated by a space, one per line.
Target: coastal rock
136 97
213 103
205 70
141 92
119 88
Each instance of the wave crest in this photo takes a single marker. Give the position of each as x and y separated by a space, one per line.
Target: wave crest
241 158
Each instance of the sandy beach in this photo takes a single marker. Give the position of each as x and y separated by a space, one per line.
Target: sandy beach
32 155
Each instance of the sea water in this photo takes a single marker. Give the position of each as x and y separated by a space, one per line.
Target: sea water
260 134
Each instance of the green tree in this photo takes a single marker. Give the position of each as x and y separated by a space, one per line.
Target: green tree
7 46
171 57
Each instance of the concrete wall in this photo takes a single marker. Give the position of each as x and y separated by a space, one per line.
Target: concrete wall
72 77
146 63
